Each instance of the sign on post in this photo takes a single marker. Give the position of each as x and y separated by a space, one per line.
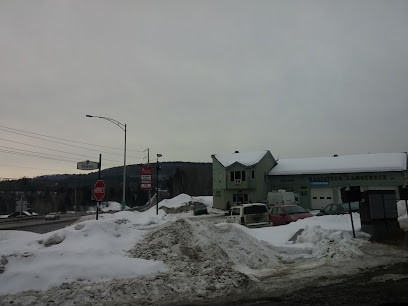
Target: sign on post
99 190
146 178
87 165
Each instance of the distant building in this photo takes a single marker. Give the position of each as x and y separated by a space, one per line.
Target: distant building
315 181
240 178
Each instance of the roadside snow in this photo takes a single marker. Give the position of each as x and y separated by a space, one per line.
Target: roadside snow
90 251
112 206
143 258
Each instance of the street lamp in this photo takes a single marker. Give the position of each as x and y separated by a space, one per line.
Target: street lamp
123 127
157 184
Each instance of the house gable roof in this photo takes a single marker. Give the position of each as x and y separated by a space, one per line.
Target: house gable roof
244 158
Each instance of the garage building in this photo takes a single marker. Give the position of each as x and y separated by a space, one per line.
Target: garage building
317 181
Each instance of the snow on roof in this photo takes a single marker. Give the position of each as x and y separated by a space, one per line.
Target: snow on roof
244 158
380 162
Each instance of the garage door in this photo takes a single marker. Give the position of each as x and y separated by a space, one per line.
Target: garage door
321 197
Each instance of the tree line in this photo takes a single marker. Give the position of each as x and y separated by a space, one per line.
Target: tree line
75 192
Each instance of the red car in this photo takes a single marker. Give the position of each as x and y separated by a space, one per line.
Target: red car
284 214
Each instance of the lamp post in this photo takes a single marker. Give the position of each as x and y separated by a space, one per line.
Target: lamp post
123 127
157 183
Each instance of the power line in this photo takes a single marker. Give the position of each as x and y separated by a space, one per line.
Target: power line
115 161
37 154
69 140
71 145
13 166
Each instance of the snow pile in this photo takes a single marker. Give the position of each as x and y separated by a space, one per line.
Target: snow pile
180 200
139 258
330 243
203 246
92 251
315 229
112 206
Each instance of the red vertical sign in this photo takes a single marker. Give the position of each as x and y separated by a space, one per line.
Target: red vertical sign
146 178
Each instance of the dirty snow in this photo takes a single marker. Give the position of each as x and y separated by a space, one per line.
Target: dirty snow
143 258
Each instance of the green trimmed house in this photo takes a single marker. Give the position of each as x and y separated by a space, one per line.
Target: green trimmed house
240 178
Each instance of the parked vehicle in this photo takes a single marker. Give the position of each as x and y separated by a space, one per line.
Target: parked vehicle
200 209
52 216
250 215
284 214
339 209
281 197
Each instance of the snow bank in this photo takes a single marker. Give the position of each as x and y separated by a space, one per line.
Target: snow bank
143 258
112 206
315 229
330 243
206 255
177 201
91 251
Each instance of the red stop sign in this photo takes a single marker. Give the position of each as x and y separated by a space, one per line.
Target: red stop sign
99 190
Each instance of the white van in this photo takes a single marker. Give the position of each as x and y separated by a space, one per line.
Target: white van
250 215
281 197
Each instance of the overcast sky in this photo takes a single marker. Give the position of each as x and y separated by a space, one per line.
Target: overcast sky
195 78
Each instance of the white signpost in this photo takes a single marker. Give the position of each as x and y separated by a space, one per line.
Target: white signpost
87 165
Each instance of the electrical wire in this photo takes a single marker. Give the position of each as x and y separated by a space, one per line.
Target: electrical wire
89 144
28 153
115 161
71 145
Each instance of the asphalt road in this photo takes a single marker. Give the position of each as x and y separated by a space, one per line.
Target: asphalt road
385 285
39 225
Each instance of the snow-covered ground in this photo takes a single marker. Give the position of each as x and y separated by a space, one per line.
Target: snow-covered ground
144 258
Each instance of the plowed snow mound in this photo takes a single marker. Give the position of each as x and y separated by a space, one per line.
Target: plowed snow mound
203 247
331 243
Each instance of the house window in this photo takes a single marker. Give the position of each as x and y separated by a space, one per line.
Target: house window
220 177
237 175
253 174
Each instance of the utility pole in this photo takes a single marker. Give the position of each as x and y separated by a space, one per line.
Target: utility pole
75 200
21 205
157 183
99 177
148 164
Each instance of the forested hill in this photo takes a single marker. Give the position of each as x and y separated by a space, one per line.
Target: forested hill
175 177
